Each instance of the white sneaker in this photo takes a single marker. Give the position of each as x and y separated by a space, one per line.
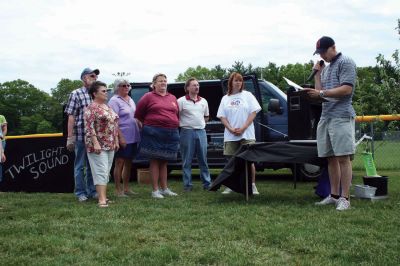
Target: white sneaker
255 190
167 192
82 198
327 200
342 204
157 194
227 191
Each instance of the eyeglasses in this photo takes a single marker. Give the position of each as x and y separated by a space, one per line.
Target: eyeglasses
125 86
103 91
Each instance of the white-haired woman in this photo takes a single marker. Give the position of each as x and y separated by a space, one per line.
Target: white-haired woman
129 135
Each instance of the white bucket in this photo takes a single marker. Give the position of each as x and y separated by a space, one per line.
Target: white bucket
364 191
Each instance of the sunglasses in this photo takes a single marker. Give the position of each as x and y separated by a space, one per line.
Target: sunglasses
125 86
93 75
103 91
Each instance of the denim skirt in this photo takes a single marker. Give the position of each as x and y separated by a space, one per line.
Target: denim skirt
159 143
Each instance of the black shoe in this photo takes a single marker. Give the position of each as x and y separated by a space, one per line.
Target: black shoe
188 189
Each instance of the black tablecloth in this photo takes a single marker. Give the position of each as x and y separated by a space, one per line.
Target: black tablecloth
234 174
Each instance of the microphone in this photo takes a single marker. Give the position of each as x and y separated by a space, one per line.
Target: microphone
321 63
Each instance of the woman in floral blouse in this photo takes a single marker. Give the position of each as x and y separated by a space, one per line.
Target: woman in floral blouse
101 138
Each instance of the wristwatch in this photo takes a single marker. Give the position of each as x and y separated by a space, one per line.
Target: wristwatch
321 93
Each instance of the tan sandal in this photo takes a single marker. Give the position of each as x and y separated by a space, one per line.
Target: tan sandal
102 205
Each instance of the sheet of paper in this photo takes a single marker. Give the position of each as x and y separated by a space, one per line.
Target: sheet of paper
294 85
298 87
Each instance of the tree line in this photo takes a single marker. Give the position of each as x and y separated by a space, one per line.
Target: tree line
29 110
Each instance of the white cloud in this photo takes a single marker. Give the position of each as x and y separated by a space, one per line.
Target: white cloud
44 41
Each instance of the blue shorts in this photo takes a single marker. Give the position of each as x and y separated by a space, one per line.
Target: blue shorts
129 152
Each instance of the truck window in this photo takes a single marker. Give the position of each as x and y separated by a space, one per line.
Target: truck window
138 92
249 86
270 91
265 97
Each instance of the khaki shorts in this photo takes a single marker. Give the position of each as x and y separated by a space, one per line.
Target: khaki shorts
230 147
100 164
335 137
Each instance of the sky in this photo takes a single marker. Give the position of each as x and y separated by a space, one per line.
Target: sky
44 41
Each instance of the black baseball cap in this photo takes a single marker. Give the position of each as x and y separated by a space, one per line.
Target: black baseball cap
323 44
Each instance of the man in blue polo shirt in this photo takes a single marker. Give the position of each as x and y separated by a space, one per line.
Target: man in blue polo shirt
335 132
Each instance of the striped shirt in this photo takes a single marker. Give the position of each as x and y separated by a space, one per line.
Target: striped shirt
77 102
341 71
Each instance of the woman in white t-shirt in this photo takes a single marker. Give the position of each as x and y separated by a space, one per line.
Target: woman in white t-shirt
237 111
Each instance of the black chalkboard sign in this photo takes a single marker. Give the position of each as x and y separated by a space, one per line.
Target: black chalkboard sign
38 164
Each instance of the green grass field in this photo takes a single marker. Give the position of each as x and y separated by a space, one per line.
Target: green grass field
279 227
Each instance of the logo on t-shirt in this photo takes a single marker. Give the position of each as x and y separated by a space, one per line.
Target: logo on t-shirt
234 103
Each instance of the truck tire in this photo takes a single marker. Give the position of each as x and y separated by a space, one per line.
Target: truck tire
307 172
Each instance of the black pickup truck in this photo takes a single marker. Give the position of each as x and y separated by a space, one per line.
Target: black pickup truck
271 124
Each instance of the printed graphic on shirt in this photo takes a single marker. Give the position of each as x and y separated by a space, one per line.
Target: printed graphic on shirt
235 103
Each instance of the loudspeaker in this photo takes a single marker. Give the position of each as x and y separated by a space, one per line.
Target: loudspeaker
303 116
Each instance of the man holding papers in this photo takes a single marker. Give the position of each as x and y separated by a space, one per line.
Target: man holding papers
335 132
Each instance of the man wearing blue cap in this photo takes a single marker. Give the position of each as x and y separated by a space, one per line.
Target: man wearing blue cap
335 132
78 100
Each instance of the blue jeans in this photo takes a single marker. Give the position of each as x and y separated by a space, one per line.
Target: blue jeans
83 185
194 142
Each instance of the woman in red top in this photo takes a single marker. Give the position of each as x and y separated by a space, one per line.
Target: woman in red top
158 112
101 138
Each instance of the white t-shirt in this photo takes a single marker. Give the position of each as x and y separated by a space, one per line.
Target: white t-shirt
192 113
236 109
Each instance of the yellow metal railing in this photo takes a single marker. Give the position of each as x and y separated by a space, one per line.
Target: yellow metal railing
50 135
372 118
